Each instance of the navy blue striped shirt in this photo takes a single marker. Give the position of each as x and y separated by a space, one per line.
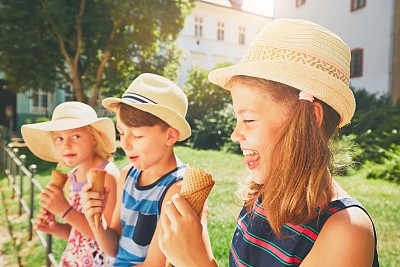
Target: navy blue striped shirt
140 212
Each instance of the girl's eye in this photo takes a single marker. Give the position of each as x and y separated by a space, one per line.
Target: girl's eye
58 139
76 136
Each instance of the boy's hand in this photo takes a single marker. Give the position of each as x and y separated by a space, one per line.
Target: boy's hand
93 202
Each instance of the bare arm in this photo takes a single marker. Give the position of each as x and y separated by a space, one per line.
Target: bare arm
348 235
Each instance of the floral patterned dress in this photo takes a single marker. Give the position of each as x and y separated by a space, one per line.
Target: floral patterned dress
81 251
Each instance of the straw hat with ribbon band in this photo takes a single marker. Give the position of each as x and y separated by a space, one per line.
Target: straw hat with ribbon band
158 96
303 55
66 116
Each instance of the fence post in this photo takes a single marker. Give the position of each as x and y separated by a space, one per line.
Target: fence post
9 161
49 250
14 171
33 170
22 158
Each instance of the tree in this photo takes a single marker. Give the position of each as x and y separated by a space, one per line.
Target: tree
96 45
210 111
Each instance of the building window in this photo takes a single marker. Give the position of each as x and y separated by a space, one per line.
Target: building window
198 26
357 4
356 63
69 93
300 3
220 31
39 101
242 34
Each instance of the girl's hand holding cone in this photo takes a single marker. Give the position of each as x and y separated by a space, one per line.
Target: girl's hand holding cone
195 189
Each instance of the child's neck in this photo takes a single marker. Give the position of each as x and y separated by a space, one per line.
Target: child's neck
155 172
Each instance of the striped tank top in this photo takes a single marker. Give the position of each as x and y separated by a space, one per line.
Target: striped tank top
254 243
140 212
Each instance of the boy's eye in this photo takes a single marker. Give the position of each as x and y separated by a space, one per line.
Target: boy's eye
247 121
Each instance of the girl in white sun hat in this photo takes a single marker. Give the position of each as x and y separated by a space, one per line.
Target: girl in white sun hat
75 137
290 95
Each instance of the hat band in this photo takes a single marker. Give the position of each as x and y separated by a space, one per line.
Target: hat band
262 52
137 98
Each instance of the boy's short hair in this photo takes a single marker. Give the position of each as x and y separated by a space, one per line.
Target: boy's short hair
142 118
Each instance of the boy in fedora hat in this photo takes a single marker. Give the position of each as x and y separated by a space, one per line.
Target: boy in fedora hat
290 94
150 120
75 137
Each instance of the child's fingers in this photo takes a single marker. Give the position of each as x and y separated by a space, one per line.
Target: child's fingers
182 206
87 187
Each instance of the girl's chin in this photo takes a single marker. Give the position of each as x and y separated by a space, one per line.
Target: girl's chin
256 177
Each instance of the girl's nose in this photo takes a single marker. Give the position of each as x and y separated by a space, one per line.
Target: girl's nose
236 135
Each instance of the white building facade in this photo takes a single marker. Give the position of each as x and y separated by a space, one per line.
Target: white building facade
365 25
217 32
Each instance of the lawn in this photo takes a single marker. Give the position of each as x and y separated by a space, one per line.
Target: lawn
379 197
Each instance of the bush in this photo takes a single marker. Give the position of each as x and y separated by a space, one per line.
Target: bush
209 113
389 168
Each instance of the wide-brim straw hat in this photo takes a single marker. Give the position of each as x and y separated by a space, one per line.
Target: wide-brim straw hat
158 96
66 116
303 55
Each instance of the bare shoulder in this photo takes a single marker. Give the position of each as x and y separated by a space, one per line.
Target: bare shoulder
349 235
175 188
123 174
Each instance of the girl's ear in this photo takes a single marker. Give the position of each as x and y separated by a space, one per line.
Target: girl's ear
172 136
318 113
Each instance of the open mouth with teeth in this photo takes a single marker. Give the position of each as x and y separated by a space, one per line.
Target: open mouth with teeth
251 158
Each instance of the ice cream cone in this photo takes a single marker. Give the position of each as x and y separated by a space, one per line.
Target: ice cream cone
96 178
195 189
58 178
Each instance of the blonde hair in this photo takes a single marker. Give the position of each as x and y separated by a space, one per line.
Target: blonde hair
99 149
299 182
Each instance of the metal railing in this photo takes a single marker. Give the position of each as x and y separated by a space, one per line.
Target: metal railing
16 172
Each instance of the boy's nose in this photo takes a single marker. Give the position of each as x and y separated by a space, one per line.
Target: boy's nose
125 144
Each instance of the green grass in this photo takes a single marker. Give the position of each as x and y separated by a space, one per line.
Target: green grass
379 197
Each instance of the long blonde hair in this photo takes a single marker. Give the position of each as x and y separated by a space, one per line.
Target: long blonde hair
299 181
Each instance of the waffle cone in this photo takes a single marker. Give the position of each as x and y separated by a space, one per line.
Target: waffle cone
96 178
195 189
58 178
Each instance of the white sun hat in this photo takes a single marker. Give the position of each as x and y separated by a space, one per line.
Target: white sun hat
66 116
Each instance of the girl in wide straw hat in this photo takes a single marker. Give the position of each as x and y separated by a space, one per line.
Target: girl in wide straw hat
290 95
75 137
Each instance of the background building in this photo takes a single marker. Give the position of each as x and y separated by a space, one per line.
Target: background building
370 28
216 32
